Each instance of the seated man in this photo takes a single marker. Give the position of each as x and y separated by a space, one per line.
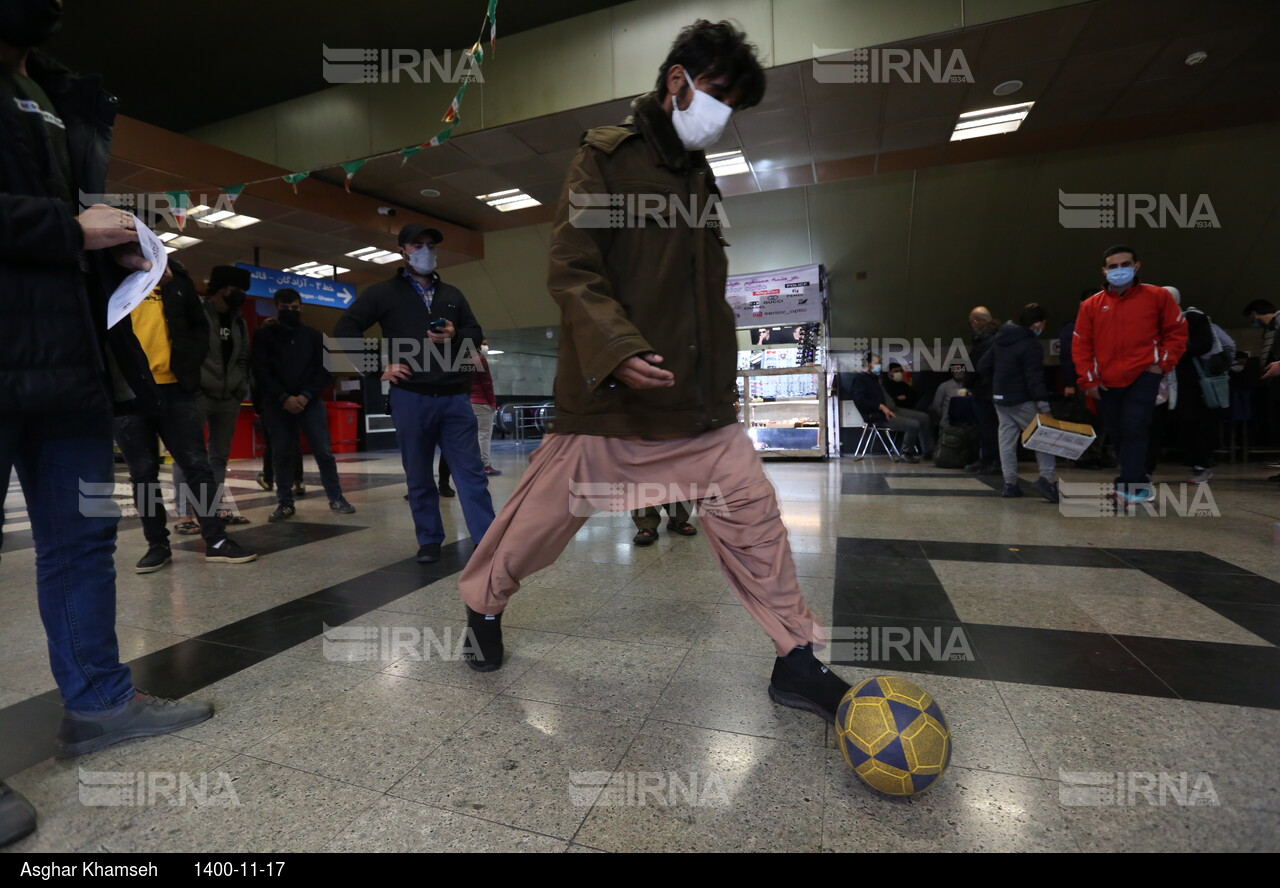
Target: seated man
940 409
870 398
900 392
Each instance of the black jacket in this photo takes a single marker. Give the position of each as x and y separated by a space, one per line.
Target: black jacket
1015 366
288 362
868 395
188 328
1200 339
976 382
53 295
396 305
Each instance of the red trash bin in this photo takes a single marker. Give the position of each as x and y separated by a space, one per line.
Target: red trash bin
344 417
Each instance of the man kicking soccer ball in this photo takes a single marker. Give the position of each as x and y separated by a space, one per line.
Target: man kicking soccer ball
646 381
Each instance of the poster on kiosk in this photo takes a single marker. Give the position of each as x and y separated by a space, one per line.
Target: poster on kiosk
782 380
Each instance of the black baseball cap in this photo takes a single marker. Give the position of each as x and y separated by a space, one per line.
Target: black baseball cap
228 275
415 230
1261 306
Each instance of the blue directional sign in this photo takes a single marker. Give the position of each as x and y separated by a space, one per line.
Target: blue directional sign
314 291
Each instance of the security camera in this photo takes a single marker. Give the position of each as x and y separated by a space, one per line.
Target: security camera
387 211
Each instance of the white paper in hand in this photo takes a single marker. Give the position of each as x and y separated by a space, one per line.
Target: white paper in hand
139 284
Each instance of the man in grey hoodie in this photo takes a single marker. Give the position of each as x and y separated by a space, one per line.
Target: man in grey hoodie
224 376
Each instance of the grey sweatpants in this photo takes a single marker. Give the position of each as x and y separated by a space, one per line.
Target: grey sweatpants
1012 421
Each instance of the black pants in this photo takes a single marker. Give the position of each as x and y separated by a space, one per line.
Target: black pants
268 465
314 423
444 471
984 413
177 426
1126 413
1199 430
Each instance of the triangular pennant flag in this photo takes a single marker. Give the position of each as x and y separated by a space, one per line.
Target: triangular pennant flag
294 178
477 53
493 23
179 202
440 137
351 166
232 192
452 115
406 153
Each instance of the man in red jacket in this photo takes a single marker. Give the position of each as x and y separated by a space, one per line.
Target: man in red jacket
1127 336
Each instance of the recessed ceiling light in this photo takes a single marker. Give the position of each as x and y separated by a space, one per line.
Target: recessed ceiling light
508 200
990 121
373 254
362 251
1196 57
728 163
211 218
316 270
166 236
429 192
491 353
239 221
182 242
1009 87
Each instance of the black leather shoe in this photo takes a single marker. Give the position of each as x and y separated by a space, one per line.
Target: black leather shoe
17 816
143 716
429 553
446 490
157 557
801 681
487 630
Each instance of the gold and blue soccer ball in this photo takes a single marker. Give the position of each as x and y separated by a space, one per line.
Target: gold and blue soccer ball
894 735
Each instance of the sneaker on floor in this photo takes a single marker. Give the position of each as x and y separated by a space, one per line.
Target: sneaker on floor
262 481
1047 489
143 716
282 513
17 815
446 490
487 631
490 470
228 551
645 538
186 528
429 553
1137 495
341 505
1200 476
909 458
157 557
1011 490
299 489
973 467
802 682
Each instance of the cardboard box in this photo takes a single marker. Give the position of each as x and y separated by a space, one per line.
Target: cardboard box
1066 439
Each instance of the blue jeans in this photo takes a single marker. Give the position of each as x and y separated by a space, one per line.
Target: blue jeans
64 463
1126 415
283 427
423 423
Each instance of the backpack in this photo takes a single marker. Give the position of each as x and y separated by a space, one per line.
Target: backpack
956 447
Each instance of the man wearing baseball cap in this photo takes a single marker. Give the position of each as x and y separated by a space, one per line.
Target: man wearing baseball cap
432 336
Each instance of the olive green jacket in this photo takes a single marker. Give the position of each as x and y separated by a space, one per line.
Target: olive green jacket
638 265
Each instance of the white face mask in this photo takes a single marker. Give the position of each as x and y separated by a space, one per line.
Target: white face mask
423 260
702 122
484 349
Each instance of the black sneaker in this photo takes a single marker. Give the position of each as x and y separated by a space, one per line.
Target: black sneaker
157 557
429 553
1011 490
487 630
1047 489
973 467
909 458
143 716
281 513
228 551
446 490
17 816
299 489
341 505
802 682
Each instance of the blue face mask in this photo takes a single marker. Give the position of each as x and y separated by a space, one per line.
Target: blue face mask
875 368
1120 277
